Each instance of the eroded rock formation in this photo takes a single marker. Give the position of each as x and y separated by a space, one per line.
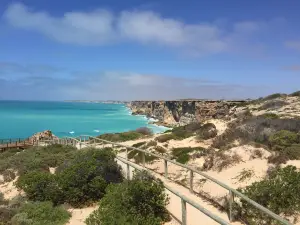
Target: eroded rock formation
185 111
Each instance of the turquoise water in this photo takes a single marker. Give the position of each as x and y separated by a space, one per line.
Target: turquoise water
22 119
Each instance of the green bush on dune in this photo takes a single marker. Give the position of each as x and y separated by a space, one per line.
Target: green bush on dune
36 158
79 181
140 201
38 213
279 193
182 155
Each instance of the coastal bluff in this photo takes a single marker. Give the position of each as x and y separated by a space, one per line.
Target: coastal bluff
182 112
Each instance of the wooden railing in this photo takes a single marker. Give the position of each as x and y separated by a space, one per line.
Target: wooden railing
86 140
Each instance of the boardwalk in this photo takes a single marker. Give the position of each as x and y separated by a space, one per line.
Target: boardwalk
6 144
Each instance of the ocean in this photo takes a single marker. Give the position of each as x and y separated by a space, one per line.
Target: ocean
21 119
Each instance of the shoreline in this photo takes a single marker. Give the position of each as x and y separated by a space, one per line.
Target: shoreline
151 121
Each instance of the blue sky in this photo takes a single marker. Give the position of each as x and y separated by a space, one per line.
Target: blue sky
137 49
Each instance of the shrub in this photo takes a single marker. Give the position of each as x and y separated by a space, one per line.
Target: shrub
6 214
256 129
37 158
140 201
138 156
182 155
273 96
121 137
279 193
271 105
271 116
137 145
40 186
83 180
164 138
295 94
144 131
284 138
219 160
160 149
8 175
207 131
151 144
37 213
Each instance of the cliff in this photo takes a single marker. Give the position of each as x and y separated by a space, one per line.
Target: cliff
183 111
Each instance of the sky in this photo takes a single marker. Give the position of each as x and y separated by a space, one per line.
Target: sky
148 50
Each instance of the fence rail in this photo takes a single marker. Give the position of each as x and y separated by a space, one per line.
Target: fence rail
86 140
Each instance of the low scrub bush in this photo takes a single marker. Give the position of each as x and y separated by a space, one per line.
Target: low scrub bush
219 160
140 201
37 213
182 155
160 149
144 131
270 116
151 144
274 104
138 156
274 96
256 129
83 180
8 175
36 158
6 214
295 94
121 137
207 131
279 193
137 145
284 138
40 186
165 138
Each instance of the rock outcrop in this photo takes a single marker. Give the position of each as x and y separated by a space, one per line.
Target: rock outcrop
44 135
183 112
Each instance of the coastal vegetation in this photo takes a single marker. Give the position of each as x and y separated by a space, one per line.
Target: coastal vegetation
279 192
127 136
141 200
80 178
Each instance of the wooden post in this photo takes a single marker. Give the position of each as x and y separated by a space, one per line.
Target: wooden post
191 181
128 172
143 159
166 169
231 199
183 212
126 153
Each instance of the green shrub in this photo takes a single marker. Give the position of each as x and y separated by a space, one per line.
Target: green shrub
182 155
279 193
8 175
40 186
271 116
284 138
6 214
38 213
140 201
121 137
164 138
138 156
83 180
207 131
137 145
37 158
272 105
255 129
144 131
295 94
273 96
151 143
160 149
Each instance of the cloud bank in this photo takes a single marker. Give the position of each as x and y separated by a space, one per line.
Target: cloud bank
109 86
101 27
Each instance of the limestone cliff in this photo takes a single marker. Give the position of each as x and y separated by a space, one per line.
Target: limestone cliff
184 111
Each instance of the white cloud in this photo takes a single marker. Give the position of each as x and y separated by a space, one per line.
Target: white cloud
293 45
147 27
74 27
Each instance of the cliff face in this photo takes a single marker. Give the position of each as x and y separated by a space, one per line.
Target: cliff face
183 112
